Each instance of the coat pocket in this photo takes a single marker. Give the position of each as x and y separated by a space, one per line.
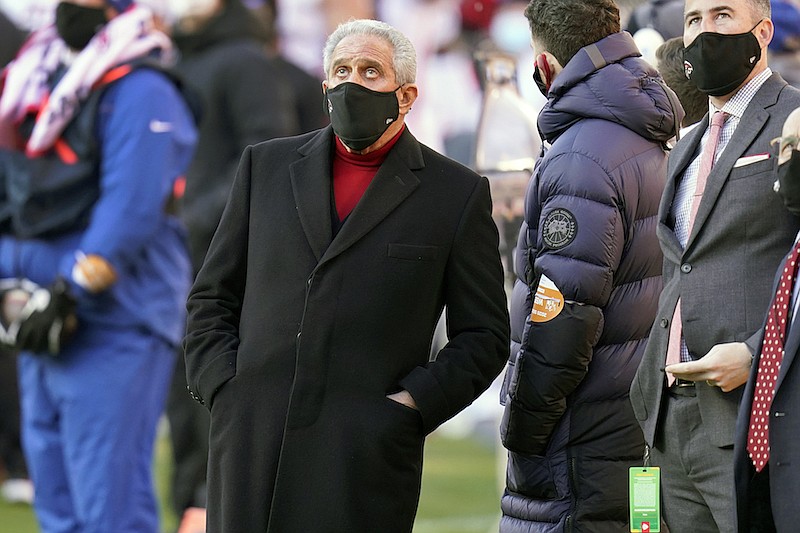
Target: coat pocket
413 252
531 476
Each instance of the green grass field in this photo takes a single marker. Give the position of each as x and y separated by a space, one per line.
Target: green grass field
460 490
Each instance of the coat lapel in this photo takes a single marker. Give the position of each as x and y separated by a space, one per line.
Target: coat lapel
754 119
392 184
311 185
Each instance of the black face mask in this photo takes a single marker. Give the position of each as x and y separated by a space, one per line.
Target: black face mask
537 79
78 24
788 185
718 63
360 116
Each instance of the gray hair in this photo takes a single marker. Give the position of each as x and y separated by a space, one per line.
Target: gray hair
404 57
762 9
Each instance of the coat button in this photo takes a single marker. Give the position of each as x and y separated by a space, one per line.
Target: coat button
664 322
686 268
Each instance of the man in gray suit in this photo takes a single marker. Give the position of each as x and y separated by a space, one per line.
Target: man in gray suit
719 257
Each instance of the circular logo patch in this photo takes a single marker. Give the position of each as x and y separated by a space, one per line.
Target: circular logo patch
559 228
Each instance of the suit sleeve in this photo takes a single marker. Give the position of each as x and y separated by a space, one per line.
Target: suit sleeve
215 301
574 237
477 319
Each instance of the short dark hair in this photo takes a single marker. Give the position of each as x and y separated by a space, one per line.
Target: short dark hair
563 27
669 62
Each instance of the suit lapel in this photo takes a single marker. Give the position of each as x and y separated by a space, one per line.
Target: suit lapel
392 184
680 157
311 185
792 343
753 121
790 349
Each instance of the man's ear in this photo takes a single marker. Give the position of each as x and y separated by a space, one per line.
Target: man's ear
765 32
548 66
408 95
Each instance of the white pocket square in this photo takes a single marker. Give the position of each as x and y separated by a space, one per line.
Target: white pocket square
750 159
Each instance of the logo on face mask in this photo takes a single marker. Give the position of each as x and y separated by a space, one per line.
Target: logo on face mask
359 116
718 63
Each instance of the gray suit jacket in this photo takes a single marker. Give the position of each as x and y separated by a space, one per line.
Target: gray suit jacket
724 274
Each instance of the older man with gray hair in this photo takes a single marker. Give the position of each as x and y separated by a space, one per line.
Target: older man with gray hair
311 319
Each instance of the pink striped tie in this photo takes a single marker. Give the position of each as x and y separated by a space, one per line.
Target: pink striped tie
706 162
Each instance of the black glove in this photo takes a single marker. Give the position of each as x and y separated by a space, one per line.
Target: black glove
47 320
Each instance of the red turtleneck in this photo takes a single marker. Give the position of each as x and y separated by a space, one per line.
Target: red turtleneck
352 174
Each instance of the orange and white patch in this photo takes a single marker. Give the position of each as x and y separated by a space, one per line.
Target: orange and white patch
547 302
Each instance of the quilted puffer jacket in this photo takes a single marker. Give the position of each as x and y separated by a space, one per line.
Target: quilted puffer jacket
589 276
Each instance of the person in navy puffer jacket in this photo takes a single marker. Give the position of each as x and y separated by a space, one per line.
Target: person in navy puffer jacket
589 273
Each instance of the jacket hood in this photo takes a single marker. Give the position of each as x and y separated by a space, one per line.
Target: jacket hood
234 22
609 80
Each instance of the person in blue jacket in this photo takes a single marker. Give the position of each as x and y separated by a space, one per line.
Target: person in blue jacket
589 273
93 136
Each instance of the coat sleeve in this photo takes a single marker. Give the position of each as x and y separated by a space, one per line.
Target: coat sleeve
215 301
573 241
477 319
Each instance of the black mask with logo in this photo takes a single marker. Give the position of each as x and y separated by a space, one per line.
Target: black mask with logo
360 116
78 24
789 183
718 63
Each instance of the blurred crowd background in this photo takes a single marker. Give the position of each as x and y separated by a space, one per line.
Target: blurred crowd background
477 102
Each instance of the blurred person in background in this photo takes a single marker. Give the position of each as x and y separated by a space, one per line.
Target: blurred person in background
652 23
93 135
446 36
303 26
15 486
589 273
304 87
784 49
311 319
663 16
669 58
11 38
244 100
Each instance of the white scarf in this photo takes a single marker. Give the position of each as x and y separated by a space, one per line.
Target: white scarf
128 36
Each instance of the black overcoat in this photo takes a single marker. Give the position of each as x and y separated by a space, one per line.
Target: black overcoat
296 337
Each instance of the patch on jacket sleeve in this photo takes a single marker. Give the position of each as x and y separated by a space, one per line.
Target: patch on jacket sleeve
559 228
547 302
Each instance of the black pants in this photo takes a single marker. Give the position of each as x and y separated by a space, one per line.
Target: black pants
10 447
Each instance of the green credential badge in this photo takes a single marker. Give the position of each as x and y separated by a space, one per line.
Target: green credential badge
644 485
